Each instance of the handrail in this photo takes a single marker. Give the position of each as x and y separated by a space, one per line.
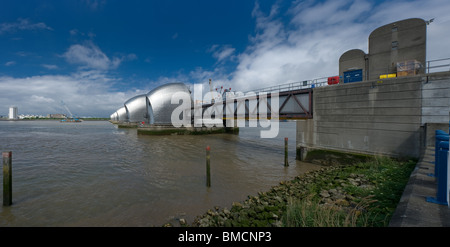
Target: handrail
439 65
435 64
298 85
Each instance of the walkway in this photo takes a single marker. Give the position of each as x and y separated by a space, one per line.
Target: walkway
413 210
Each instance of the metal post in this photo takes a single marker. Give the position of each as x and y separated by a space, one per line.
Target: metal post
208 170
447 191
442 179
7 178
286 163
439 137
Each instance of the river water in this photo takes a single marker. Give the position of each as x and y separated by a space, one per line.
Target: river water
94 174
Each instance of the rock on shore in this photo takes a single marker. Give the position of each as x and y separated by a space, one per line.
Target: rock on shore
267 208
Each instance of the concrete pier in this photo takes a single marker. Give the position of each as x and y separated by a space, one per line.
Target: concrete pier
170 130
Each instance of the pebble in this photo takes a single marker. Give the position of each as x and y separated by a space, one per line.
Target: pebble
267 207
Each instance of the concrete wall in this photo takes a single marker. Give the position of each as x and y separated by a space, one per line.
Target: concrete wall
436 98
376 117
429 130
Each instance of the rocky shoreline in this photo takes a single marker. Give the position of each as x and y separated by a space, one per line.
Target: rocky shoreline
351 190
266 209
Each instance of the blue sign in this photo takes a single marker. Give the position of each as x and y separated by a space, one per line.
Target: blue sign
353 75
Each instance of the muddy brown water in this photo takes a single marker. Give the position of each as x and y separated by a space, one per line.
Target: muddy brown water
94 174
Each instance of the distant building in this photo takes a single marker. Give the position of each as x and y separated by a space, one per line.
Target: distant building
12 112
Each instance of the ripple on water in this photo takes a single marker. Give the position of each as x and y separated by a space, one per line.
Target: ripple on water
94 174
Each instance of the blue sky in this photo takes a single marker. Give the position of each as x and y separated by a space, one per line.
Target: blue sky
96 54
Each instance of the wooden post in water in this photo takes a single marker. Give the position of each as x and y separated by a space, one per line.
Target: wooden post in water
286 163
208 170
7 178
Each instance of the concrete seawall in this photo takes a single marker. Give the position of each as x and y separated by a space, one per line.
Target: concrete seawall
147 129
390 117
413 210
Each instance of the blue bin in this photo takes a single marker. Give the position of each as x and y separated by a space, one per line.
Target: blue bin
441 132
441 174
439 138
441 157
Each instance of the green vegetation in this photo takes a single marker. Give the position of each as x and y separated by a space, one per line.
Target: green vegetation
328 157
311 213
370 198
362 194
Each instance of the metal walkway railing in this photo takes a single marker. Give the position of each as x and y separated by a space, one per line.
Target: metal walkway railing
438 65
431 66
295 85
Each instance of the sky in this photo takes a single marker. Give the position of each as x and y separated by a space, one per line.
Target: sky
93 55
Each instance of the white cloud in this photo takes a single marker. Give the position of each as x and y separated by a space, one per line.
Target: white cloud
301 43
309 44
41 99
10 63
89 56
222 52
74 32
94 4
22 24
23 53
311 15
50 66
307 47
86 93
130 57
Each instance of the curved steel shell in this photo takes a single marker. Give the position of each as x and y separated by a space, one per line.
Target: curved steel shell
160 101
137 109
122 114
114 117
